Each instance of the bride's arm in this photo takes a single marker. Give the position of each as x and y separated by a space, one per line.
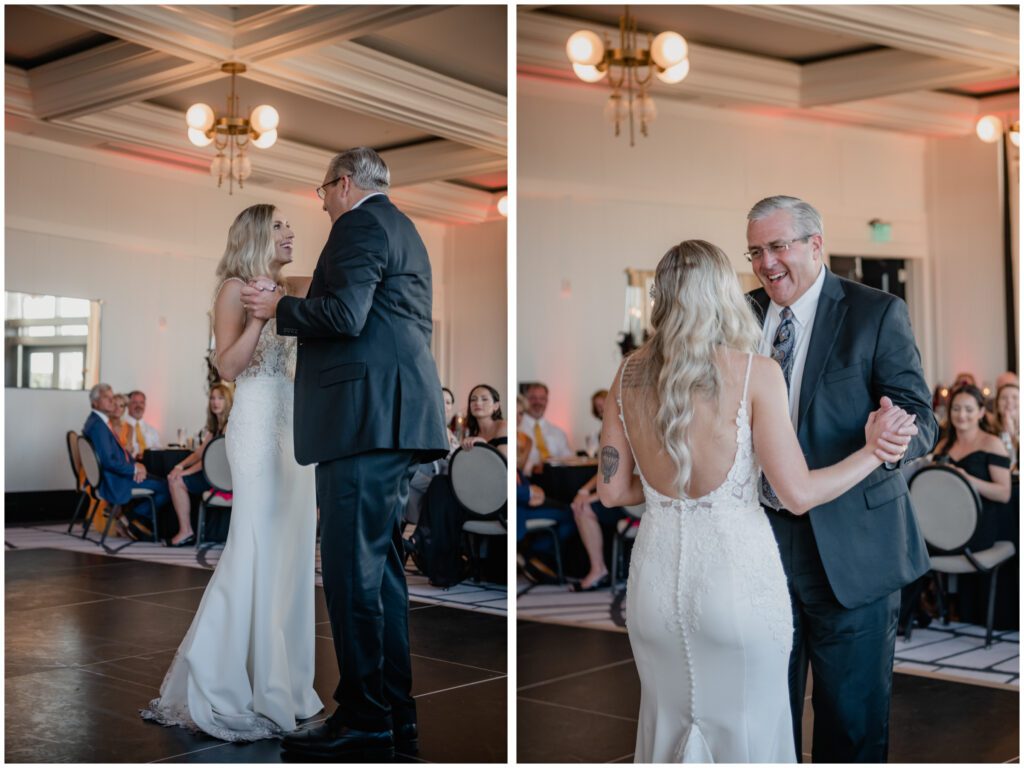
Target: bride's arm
236 334
781 457
617 486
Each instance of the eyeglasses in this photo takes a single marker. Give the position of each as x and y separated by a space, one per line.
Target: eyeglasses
778 248
321 191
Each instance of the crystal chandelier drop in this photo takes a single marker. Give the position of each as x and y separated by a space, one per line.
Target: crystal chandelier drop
231 135
629 69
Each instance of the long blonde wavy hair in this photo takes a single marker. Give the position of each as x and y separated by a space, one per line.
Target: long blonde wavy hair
698 308
250 247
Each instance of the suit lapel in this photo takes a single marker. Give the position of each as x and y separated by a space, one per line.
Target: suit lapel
759 302
828 320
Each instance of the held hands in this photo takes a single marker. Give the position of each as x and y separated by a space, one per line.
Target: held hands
581 502
140 473
536 496
260 298
889 430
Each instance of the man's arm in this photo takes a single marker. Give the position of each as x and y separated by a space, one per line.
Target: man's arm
108 451
896 373
353 264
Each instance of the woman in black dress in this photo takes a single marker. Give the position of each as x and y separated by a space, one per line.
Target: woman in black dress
980 457
485 423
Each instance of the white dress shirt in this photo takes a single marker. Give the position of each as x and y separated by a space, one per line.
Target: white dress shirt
149 434
804 309
363 200
554 437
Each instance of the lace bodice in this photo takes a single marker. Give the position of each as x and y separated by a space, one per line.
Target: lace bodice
274 356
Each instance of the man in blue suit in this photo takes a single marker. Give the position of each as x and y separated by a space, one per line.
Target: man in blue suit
120 473
844 349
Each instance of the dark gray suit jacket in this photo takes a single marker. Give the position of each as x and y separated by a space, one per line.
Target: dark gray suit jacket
861 348
365 378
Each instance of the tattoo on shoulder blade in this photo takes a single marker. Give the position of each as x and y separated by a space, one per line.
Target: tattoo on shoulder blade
609 462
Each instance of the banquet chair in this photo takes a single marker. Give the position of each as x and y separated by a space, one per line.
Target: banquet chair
549 526
86 494
217 472
479 482
625 534
948 509
94 475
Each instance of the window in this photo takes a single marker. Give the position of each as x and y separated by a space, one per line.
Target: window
51 342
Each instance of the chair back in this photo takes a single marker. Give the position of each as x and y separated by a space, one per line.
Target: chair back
479 479
76 461
947 507
215 465
91 465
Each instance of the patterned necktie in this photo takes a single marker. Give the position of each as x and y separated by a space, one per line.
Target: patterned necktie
782 353
538 440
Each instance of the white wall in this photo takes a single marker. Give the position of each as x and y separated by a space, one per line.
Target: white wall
475 289
590 206
145 239
966 232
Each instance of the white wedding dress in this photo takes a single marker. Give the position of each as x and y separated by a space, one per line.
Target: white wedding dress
245 668
709 619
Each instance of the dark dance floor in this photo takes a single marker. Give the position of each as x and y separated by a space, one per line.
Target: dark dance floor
89 638
578 698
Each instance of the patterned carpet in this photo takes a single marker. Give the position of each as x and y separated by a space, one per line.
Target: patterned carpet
955 652
484 597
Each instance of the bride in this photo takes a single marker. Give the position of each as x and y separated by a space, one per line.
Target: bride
709 617
245 668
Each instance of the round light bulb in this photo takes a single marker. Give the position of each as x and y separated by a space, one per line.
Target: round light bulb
588 73
199 138
675 74
668 49
264 118
266 140
989 129
584 47
200 117
1015 134
503 205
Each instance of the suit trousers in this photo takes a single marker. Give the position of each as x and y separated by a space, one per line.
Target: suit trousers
849 651
361 499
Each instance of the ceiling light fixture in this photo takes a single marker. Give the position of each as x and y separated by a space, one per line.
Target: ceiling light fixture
990 129
629 69
232 133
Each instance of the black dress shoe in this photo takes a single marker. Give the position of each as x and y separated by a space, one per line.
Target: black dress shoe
188 541
340 743
407 739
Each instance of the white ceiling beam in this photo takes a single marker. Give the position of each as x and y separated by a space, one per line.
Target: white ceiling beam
354 77
162 129
984 35
924 112
883 73
18 93
718 77
108 76
448 202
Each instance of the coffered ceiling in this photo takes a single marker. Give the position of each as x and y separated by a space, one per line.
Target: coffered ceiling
927 69
424 85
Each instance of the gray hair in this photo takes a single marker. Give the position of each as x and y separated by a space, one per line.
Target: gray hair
805 216
97 392
367 169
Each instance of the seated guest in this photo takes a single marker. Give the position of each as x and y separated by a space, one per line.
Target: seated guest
118 425
597 410
420 481
592 516
1006 377
981 458
940 403
964 377
531 504
144 436
120 473
1006 419
186 478
485 424
549 440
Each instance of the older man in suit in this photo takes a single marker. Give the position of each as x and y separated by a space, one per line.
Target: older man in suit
120 473
368 410
844 348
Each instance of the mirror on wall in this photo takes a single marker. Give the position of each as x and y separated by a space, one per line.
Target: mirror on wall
51 342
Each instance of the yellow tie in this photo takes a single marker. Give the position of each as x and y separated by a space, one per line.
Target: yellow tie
139 438
538 439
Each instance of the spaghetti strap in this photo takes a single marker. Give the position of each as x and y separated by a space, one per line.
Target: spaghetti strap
746 379
622 418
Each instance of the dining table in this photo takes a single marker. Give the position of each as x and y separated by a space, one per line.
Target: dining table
562 478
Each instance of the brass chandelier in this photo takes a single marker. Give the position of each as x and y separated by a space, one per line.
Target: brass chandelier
629 69
231 135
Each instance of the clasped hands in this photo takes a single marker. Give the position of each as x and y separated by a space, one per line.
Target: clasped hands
890 430
260 297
